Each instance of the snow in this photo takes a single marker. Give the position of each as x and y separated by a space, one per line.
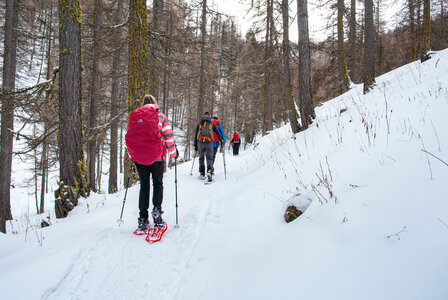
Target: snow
375 221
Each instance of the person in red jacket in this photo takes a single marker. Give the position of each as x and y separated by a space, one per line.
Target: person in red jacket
149 153
235 143
216 142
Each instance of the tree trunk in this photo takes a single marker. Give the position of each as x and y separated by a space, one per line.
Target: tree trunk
155 28
113 186
288 96
267 105
352 41
73 169
419 26
48 94
200 110
7 130
426 41
44 170
411 7
138 72
369 47
307 113
341 51
94 94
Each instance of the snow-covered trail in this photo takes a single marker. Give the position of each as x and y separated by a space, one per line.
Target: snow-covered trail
221 226
115 257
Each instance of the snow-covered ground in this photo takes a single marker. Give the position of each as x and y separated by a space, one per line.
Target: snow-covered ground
370 174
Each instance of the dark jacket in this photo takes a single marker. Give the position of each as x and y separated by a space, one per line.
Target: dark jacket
214 128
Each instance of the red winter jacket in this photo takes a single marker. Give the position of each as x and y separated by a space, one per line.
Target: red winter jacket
236 139
215 135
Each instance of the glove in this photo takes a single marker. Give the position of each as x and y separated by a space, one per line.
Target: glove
220 148
177 154
196 147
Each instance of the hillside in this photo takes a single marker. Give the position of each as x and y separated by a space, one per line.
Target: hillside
370 175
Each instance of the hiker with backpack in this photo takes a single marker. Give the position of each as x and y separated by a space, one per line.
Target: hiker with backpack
203 143
148 138
235 143
216 140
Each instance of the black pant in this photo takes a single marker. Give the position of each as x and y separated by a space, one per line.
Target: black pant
236 148
205 149
144 172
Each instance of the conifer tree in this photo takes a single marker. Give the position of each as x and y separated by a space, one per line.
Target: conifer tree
307 113
73 169
369 42
8 87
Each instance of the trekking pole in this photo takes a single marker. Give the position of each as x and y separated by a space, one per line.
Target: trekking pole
175 189
195 154
224 159
120 221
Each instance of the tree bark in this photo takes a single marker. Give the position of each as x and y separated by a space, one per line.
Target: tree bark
341 51
288 96
138 71
426 41
267 111
307 113
7 130
73 169
155 28
113 186
369 47
200 110
94 95
412 29
352 41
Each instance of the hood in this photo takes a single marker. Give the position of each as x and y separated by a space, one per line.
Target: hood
205 118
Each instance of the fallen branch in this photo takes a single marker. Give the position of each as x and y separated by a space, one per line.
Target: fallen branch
435 157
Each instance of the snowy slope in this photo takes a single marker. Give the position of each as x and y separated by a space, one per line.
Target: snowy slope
375 224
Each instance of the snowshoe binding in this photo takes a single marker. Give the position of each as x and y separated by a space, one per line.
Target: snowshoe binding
143 226
157 217
156 232
209 178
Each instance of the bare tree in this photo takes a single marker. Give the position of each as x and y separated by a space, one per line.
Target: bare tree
73 169
268 51
138 71
7 131
426 38
288 97
155 46
369 43
113 187
352 43
411 6
307 113
94 88
341 50
200 110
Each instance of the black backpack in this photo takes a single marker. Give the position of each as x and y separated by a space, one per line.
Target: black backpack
205 132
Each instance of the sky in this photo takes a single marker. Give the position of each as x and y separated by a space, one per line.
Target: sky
369 174
317 16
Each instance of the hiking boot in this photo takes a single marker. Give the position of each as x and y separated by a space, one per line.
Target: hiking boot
157 217
143 224
201 177
209 177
